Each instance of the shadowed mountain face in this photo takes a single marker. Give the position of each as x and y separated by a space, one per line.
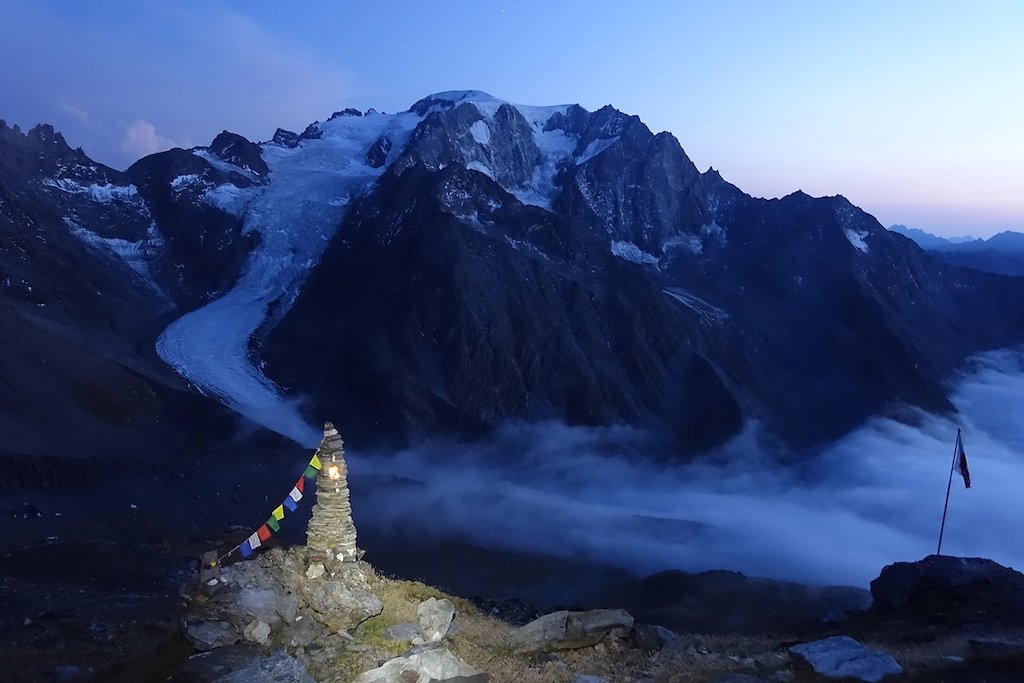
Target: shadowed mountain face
78 311
468 288
454 267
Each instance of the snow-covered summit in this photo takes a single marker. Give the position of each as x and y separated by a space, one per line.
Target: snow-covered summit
459 96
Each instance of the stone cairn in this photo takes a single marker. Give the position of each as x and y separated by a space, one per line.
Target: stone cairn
331 535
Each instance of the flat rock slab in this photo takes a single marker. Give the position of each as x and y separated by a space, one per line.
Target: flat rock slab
402 633
566 630
208 634
241 664
842 657
276 667
422 667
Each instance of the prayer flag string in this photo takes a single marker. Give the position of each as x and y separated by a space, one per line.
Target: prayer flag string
273 523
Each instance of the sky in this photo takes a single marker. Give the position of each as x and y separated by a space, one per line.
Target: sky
912 110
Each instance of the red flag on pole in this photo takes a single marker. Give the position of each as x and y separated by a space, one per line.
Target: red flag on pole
961 463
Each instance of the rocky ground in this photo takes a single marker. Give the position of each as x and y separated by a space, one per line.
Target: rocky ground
81 612
105 587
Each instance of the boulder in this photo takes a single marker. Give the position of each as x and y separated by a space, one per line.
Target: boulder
951 590
566 630
435 618
209 567
844 657
207 634
650 637
257 631
435 664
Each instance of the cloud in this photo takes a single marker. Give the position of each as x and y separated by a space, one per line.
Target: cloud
140 138
77 114
204 68
872 498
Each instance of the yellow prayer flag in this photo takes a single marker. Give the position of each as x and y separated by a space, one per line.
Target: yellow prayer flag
315 463
278 513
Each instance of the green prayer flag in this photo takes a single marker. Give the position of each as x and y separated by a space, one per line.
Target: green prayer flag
310 473
273 524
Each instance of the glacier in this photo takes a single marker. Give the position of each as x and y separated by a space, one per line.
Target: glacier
296 215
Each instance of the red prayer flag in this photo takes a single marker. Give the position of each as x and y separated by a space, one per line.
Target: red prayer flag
962 465
301 485
263 532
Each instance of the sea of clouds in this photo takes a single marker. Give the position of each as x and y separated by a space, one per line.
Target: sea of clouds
872 498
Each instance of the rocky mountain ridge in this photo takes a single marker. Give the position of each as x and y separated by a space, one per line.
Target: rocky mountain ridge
79 309
470 261
1002 253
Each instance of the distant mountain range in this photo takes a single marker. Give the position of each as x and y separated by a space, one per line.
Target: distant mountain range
450 268
1002 253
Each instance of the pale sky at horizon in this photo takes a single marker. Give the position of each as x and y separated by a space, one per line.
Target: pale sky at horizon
913 110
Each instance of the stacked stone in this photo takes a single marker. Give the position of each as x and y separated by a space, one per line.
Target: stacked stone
331 535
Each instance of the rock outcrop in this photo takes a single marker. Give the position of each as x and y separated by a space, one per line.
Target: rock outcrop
950 591
270 593
565 630
844 657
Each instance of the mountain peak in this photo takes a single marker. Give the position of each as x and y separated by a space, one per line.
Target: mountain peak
45 133
449 99
457 96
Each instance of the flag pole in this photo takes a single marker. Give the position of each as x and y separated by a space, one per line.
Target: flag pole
949 485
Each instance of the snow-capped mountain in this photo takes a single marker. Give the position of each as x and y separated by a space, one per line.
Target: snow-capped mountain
471 261
532 263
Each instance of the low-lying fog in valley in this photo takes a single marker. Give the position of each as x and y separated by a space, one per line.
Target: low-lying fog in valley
872 498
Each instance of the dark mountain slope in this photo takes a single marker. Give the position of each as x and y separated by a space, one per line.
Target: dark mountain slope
648 294
78 377
202 246
439 324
